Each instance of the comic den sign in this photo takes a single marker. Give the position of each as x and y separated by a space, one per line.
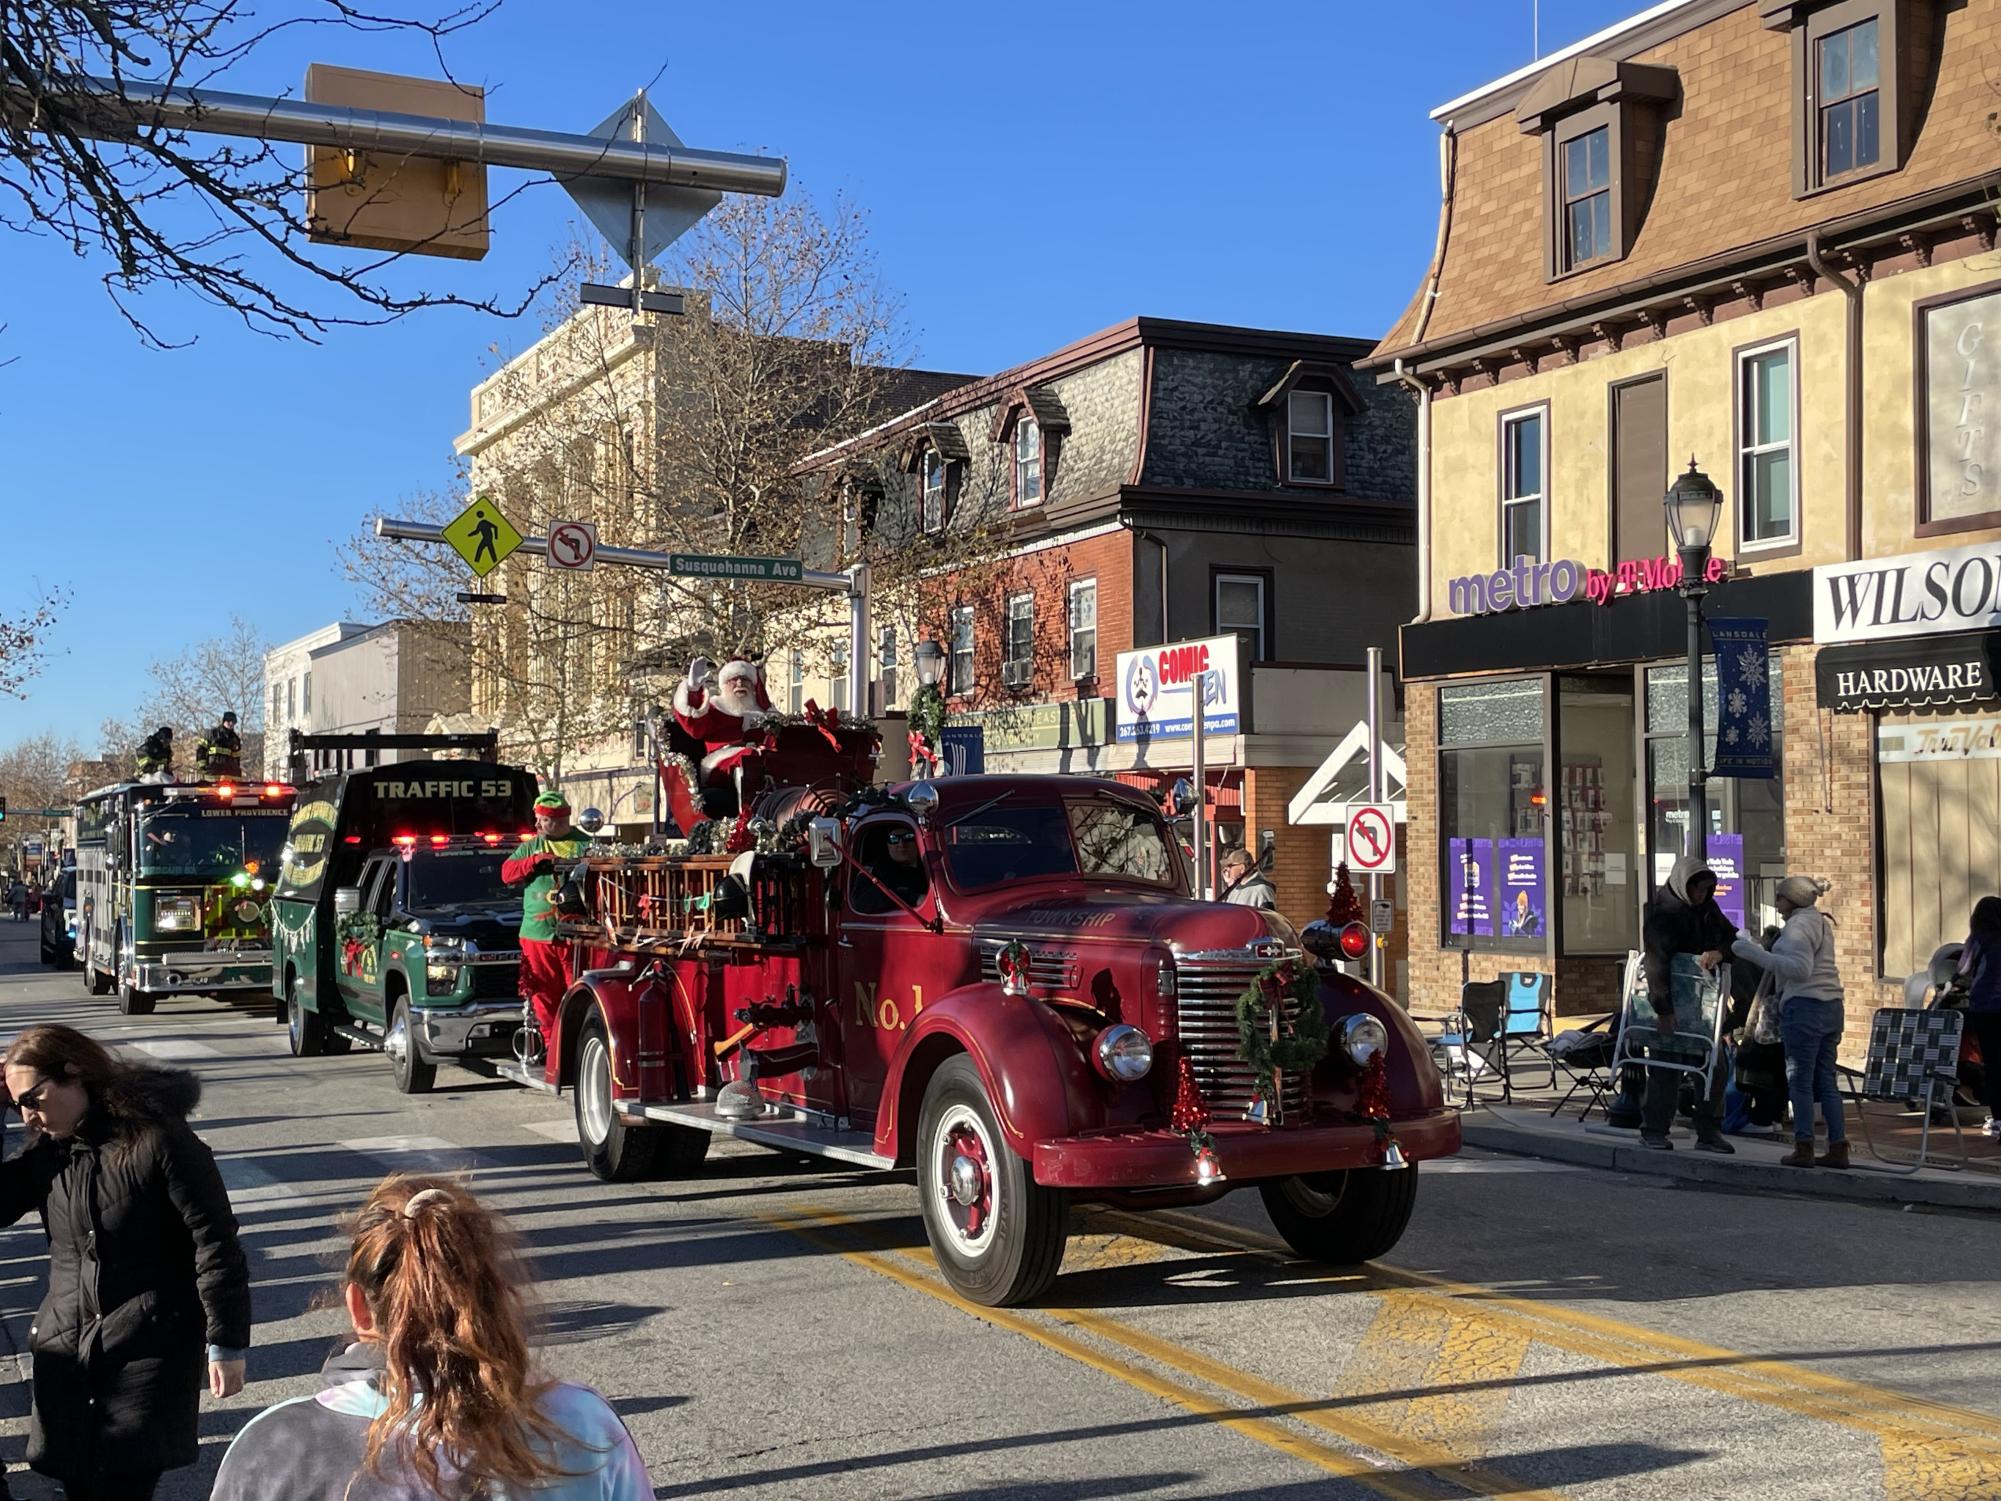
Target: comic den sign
1156 689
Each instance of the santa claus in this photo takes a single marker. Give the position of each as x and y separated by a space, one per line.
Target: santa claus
719 709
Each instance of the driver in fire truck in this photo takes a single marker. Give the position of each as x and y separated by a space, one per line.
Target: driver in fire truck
545 963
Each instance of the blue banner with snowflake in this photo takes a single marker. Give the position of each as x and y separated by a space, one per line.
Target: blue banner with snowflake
1744 741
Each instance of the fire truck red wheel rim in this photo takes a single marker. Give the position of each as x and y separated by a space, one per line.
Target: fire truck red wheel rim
968 1197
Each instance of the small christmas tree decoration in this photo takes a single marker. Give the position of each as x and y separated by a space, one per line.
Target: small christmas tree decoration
1190 1117
1343 905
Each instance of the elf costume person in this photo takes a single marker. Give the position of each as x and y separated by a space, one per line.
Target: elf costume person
545 963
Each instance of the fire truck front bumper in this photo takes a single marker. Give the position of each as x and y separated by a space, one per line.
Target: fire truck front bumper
1134 1159
205 972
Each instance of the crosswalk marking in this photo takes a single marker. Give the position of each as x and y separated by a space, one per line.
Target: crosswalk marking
170 1049
250 1186
562 1129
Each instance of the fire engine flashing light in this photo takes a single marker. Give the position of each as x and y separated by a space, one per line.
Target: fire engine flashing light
438 839
491 838
352 839
406 841
275 789
225 791
1355 940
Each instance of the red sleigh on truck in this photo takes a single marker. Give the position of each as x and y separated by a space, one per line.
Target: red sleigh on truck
1001 981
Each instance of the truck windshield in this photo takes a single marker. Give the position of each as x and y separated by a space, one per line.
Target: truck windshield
459 878
211 842
1083 836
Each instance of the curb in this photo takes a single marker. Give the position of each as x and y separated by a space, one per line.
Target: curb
1959 1191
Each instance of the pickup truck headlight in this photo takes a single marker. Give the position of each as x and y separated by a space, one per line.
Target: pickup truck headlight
1123 1053
175 914
1362 1037
442 957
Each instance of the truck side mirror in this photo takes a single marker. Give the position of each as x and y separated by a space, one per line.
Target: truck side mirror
823 842
347 901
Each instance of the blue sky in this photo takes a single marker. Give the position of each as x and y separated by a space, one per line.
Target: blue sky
1031 176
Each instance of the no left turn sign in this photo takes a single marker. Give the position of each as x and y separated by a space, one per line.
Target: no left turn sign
1372 839
573 545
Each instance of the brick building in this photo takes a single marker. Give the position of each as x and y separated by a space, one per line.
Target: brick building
1157 482
1759 232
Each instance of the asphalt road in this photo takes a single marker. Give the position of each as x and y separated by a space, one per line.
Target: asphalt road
772 1329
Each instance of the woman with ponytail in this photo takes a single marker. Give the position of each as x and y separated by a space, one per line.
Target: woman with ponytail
436 1398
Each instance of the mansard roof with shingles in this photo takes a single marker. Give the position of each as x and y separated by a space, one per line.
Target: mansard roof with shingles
1725 186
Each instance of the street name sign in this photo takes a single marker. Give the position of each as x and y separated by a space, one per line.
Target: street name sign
483 536
573 546
746 570
1372 839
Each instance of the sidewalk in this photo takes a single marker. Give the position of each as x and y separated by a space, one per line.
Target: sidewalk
1525 1129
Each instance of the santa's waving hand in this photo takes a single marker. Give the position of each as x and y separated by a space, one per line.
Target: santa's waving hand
718 708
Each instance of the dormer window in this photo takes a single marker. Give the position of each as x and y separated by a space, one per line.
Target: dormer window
1601 124
933 455
1587 196
1310 410
933 497
1027 462
1309 437
1030 424
1861 69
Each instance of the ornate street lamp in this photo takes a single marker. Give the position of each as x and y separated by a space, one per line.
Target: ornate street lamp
1693 503
927 708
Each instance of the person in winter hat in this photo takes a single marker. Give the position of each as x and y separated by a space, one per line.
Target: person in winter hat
546 972
147 1282
1802 961
436 1397
1683 918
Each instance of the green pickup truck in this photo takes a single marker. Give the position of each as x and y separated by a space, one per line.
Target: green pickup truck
390 925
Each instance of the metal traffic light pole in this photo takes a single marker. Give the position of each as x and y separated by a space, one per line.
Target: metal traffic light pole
854 583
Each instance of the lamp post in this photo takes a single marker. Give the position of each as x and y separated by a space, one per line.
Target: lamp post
1692 505
927 704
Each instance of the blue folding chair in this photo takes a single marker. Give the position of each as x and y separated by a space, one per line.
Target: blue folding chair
1523 1025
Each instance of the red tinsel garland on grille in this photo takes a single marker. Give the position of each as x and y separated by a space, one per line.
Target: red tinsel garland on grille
1190 1117
1372 1104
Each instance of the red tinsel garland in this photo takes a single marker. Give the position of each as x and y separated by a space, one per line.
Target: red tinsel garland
920 750
1372 1103
1190 1116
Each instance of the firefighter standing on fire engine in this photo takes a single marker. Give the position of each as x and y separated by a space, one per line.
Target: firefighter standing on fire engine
545 963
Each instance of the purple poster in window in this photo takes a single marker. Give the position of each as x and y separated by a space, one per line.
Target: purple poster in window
1520 876
1470 886
1726 858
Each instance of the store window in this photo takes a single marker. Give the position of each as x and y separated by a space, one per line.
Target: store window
1493 806
1596 862
1938 786
1747 829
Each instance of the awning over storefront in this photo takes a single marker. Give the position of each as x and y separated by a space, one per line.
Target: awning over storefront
1922 672
1631 628
1343 778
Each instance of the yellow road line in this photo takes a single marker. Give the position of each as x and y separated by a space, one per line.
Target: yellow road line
1263 1430
1792 1388
1414 1455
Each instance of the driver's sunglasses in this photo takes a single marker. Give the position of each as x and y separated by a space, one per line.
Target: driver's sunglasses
902 839
32 1100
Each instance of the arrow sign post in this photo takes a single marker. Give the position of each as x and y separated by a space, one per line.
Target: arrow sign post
1372 838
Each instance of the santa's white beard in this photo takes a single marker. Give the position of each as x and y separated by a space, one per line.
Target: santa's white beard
739 698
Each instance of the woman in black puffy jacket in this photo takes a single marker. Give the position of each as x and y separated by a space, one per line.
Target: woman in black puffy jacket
147 1284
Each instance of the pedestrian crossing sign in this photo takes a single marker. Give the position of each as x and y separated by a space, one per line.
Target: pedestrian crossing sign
482 536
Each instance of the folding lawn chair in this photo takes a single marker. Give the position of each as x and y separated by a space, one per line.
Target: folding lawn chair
1913 1060
1523 1026
1584 1055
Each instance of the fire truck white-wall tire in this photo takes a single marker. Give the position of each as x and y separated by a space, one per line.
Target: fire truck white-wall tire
1342 1219
998 1234
613 1151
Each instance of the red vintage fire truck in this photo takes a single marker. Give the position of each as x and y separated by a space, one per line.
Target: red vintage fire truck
1002 982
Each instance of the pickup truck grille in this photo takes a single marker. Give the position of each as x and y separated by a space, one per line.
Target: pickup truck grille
1047 970
491 981
1207 987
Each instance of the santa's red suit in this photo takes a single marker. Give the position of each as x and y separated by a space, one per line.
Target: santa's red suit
717 709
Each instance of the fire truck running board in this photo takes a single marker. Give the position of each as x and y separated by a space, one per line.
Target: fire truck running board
527 1078
784 1130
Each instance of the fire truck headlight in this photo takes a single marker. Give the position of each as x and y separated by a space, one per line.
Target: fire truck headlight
175 914
248 912
1363 1036
1123 1053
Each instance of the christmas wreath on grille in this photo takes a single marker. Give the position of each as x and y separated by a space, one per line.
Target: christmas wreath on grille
1261 1025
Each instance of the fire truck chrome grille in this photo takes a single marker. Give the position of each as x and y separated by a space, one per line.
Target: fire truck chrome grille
1046 970
1208 985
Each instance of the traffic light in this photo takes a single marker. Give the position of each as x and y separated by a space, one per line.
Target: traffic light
3 810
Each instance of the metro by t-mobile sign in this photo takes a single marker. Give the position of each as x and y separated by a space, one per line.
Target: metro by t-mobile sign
1530 583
